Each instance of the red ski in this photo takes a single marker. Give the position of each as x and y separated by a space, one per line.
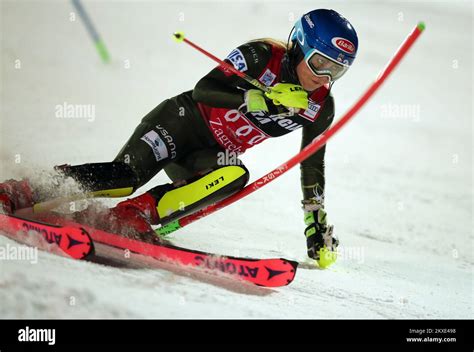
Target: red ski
72 241
262 272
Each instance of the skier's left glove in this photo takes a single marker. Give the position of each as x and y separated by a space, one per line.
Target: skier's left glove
320 239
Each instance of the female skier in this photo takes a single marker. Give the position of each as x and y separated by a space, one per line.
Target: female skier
193 136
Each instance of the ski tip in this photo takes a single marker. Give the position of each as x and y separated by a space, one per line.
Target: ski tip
293 263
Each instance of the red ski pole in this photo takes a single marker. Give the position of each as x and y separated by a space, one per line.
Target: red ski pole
309 149
179 37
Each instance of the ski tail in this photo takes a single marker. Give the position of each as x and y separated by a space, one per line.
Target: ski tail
71 241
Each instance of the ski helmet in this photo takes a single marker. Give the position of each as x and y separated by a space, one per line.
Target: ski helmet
328 42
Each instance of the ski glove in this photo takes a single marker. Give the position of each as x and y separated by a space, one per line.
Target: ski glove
320 241
289 95
255 100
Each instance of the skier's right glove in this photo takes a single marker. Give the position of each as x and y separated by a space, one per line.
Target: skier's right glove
289 95
320 240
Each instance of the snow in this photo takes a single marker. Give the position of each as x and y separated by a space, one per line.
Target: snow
399 182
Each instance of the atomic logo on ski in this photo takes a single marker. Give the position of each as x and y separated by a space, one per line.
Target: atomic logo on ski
49 236
273 273
226 267
73 242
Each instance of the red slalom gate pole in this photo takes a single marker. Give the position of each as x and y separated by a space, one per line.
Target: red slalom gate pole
309 149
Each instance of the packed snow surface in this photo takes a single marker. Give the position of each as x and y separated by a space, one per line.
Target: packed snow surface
399 176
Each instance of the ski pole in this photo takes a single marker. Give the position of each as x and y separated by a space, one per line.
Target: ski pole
309 149
179 37
99 43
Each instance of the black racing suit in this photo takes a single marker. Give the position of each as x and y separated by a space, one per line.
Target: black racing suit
193 148
179 135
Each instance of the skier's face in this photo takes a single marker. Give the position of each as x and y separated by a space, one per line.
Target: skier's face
309 81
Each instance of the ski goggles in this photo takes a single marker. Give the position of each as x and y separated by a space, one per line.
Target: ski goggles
322 65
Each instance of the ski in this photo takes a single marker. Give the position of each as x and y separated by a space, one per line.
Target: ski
271 272
262 272
71 241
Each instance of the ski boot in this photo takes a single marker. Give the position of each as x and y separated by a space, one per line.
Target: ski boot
15 195
132 217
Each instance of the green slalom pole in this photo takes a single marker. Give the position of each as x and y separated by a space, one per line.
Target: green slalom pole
98 42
